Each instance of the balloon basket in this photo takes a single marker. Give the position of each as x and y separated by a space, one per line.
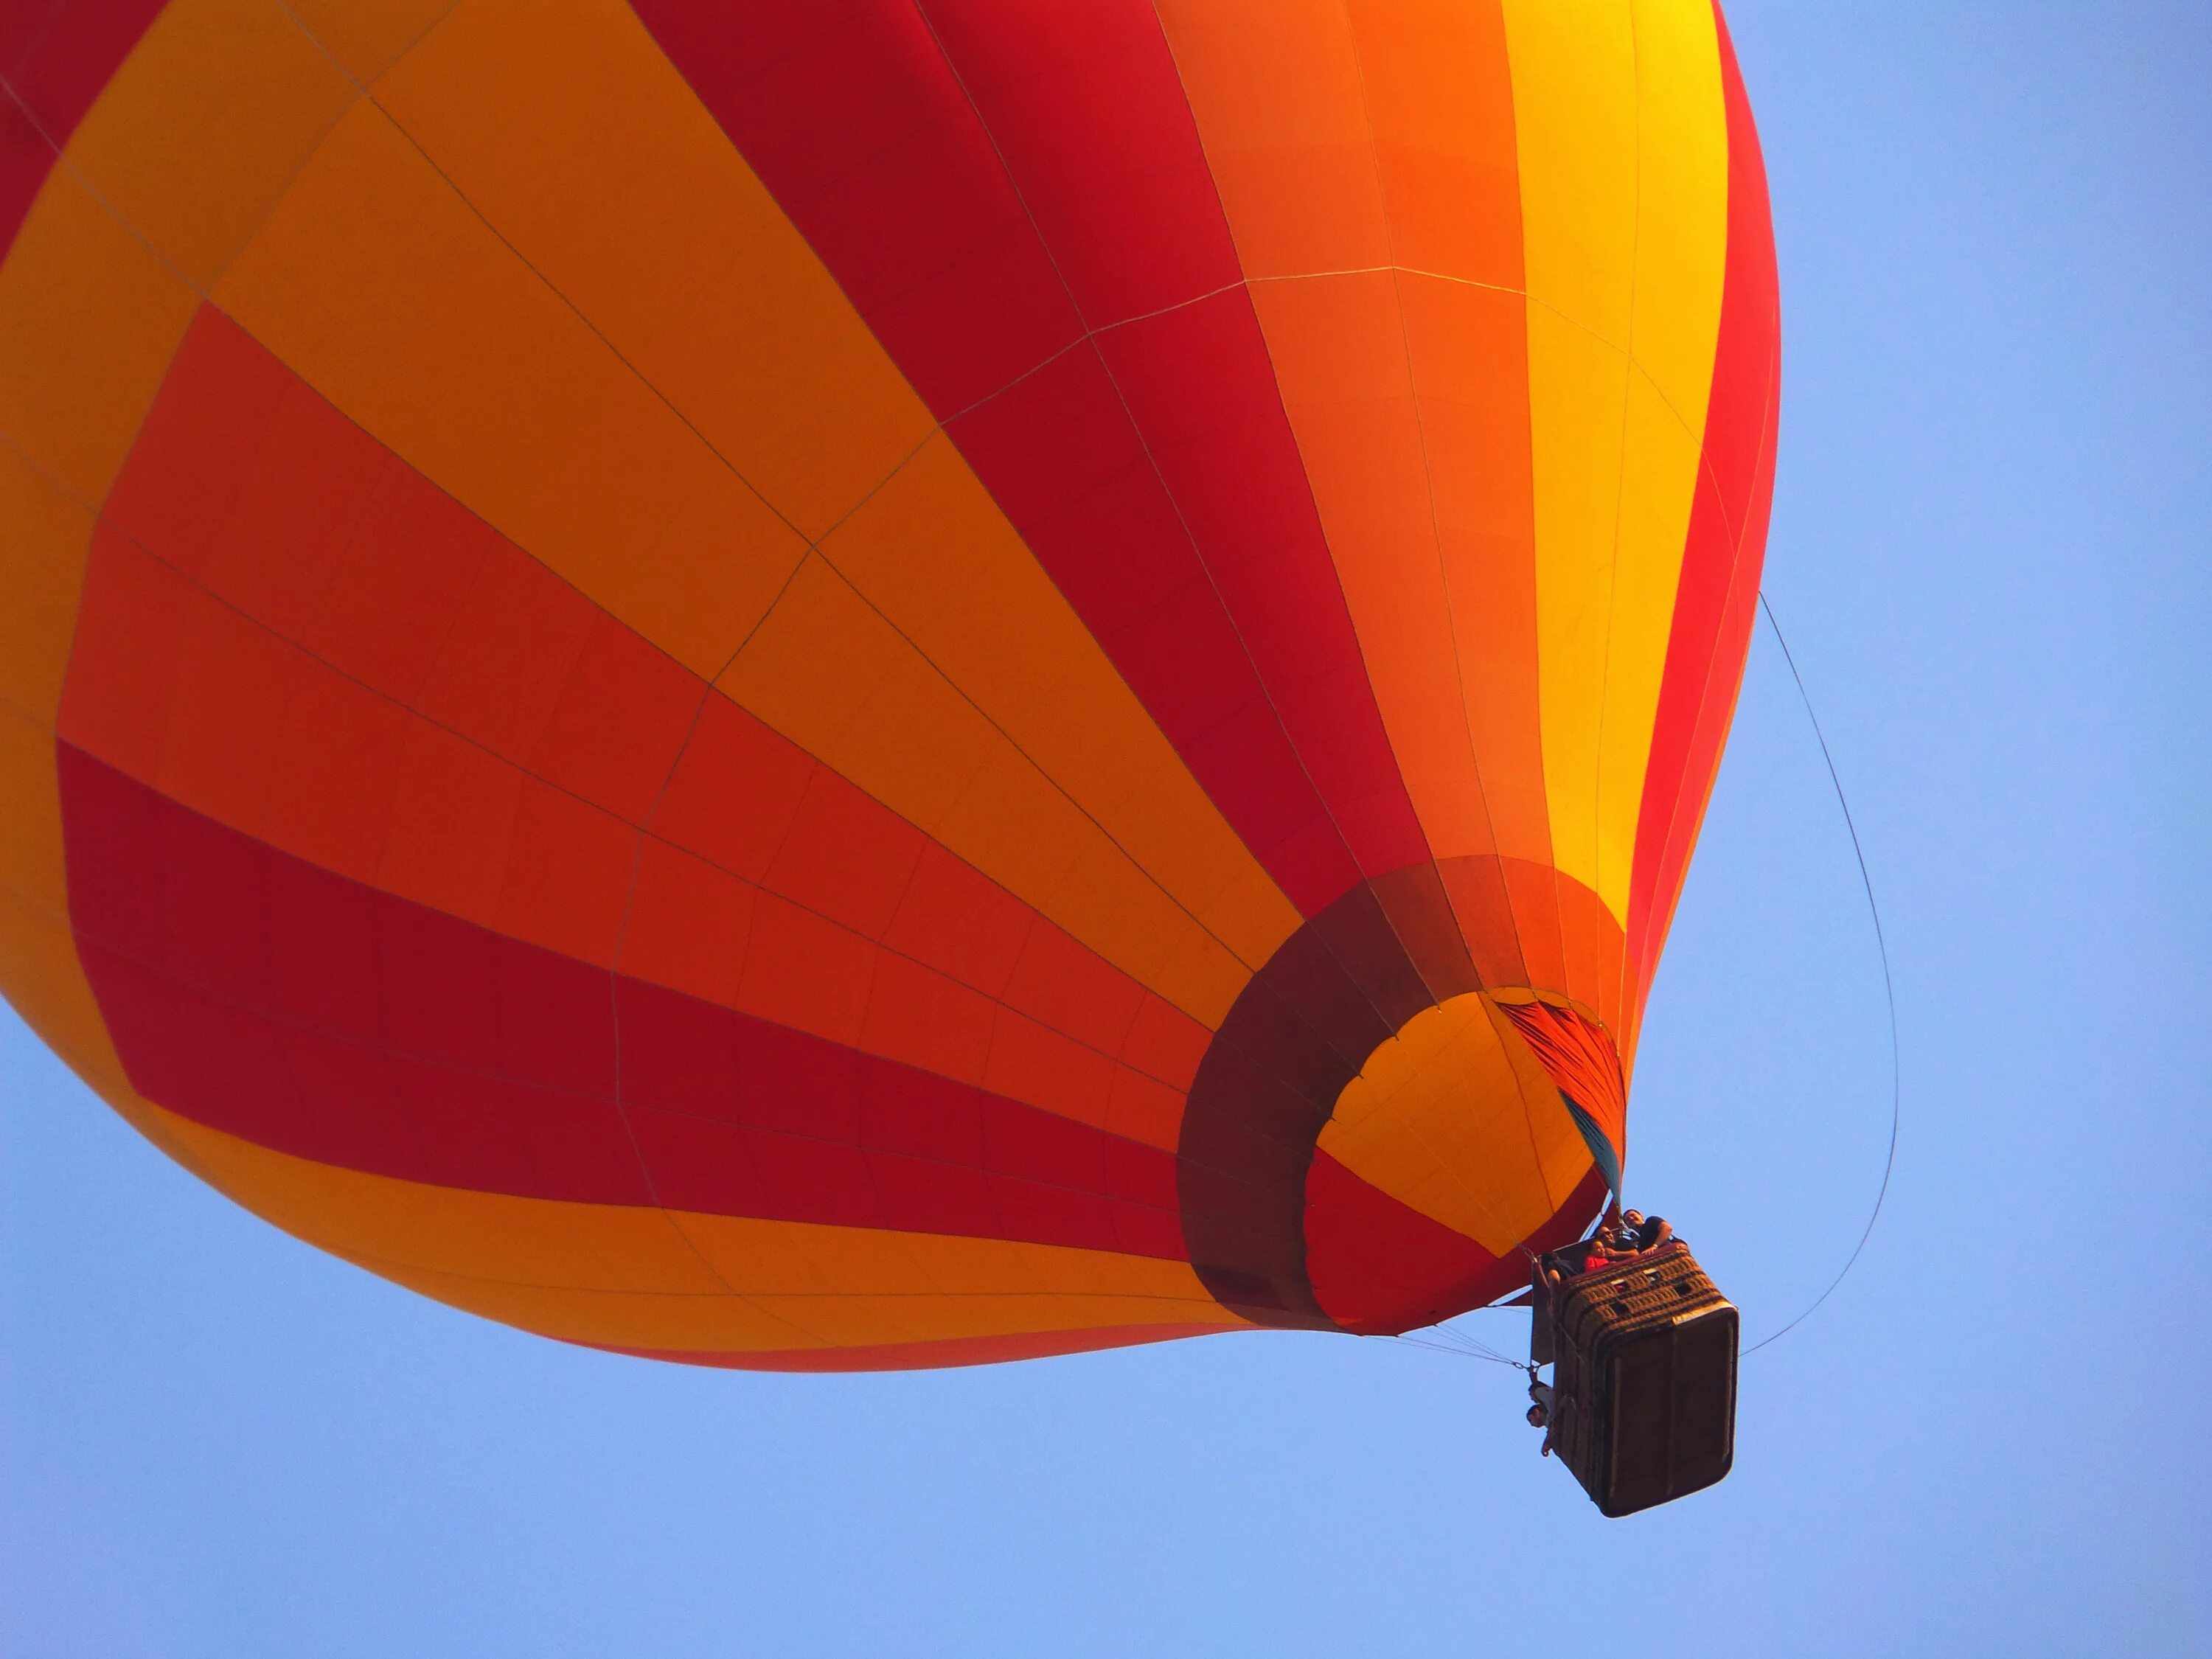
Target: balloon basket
1643 1357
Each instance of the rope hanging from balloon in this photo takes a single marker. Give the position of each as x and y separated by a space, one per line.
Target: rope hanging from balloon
1888 988
1464 1346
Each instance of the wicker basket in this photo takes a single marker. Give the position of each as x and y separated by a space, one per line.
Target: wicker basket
1644 1354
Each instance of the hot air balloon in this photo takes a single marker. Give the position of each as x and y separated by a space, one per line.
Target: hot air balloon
828 686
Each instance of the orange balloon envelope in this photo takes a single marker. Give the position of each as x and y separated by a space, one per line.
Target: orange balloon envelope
821 686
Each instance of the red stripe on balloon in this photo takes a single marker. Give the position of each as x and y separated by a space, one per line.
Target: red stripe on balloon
261 995
1719 588
1015 199
55 59
1379 1267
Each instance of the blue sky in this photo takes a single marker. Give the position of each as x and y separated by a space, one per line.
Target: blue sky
1990 552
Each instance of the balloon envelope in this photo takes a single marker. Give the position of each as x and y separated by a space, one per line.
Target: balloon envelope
827 686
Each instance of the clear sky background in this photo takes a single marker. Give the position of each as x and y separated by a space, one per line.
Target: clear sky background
1991 540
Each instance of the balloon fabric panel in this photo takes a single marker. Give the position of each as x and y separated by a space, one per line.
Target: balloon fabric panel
913 686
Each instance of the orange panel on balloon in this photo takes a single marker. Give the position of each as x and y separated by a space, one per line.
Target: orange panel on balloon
1468 351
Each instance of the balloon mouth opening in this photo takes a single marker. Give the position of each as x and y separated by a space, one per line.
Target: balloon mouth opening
1281 1230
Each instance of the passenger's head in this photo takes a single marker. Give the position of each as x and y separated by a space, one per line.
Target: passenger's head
1537 1417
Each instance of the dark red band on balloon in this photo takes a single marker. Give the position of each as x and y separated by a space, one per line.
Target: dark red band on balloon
1017 200
55 57
1718 593
256 994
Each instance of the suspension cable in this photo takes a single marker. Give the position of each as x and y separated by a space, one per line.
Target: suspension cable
1888 988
